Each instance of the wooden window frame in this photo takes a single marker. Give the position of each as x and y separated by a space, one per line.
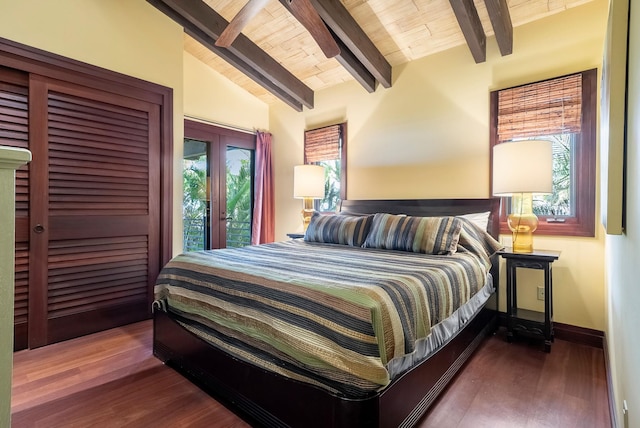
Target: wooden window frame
583 223
343 156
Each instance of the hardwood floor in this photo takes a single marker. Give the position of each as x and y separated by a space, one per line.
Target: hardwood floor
108 379
111 379
518 385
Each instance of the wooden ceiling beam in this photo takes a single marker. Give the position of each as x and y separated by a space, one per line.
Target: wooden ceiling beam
205 25
348 60
340 21
471 27
501 22
308 16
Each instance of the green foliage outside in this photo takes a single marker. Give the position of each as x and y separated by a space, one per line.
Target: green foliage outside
194 203
558 203
331 201
239 203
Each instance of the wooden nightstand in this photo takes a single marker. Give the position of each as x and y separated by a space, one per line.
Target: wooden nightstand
523 320
295 235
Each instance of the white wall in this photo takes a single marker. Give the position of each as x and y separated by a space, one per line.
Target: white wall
623 256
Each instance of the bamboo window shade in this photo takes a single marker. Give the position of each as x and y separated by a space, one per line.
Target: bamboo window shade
544 108
323 144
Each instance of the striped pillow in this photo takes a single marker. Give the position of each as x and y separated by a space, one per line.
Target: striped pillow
429 235
338 229
477 241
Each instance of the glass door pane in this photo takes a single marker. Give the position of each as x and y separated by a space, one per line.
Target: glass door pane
196 202
239 195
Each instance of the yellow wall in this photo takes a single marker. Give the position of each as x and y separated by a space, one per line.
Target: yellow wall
428 137
209 95
623 257
132 38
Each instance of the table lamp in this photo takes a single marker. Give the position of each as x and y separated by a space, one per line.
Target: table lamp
308 184
521 168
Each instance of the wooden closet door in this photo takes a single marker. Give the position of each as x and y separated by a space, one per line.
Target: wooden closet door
95 204
14 132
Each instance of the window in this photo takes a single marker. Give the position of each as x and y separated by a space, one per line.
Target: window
328 147
563 111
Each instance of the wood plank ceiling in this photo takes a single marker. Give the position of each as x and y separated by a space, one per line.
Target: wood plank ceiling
276 58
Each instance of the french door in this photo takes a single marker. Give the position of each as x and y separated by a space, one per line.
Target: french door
218 187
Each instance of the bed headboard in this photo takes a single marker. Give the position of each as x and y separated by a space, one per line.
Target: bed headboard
428 207
435 207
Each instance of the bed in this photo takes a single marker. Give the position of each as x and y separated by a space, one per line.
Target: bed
291 334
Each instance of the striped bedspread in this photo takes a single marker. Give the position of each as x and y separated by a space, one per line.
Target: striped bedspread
330 315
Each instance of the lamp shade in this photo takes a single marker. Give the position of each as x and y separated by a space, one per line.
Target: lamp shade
522 167
308 181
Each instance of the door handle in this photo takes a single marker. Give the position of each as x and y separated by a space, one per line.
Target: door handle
38 228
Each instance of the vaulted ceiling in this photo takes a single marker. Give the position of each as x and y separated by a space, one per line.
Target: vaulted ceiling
275 57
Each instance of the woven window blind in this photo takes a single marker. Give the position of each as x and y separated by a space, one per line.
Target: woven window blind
322 144
544 108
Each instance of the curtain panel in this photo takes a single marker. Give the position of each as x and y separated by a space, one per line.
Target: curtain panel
263 227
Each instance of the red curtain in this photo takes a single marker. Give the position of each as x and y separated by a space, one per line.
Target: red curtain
263 227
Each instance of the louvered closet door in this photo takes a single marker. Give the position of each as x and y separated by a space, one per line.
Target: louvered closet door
14 132
94 221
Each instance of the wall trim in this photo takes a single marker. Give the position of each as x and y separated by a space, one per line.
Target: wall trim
570 333
580 335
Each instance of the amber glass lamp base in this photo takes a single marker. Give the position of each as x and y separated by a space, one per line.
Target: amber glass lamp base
307 212
522 222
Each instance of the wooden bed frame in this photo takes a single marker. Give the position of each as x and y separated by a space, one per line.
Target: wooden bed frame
267 399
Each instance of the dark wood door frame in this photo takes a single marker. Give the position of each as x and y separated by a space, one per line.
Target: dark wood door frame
218 139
